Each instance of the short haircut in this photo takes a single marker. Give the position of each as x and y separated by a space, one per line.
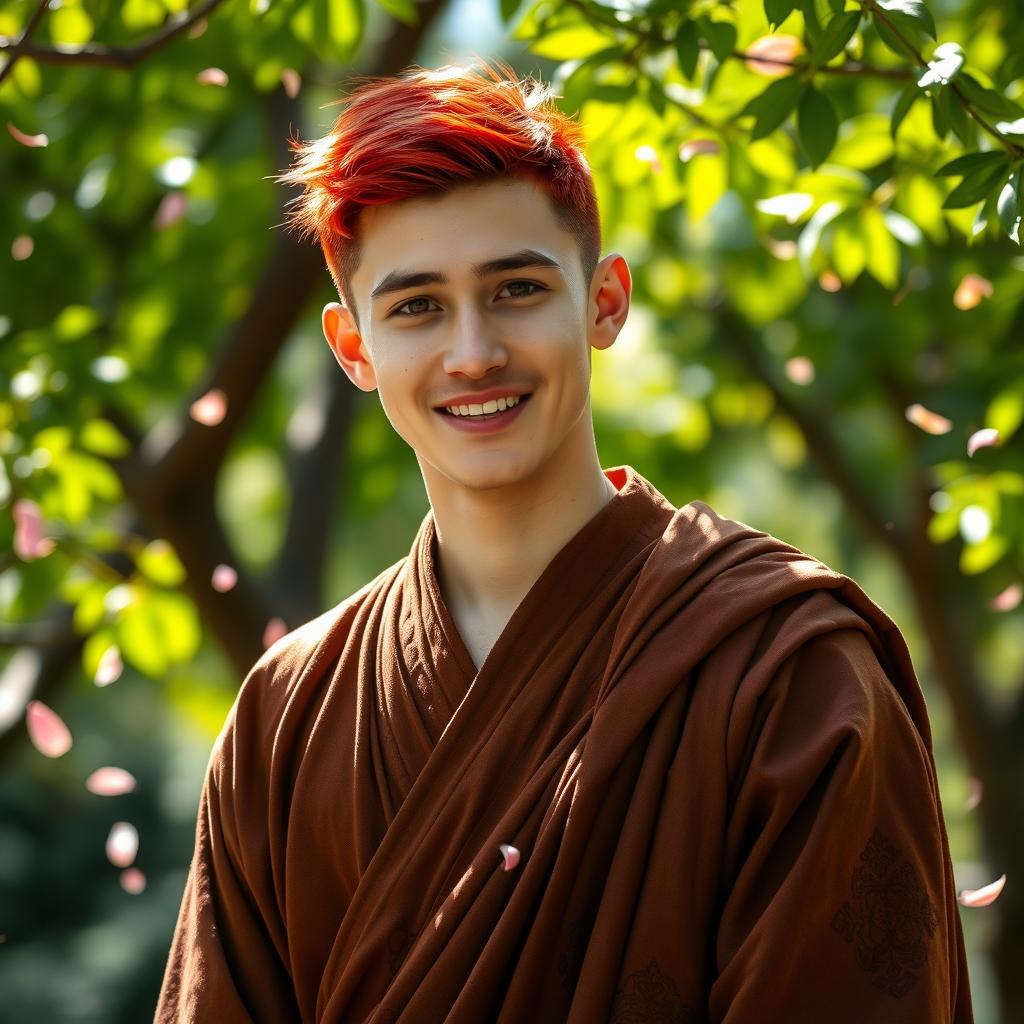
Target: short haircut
423 132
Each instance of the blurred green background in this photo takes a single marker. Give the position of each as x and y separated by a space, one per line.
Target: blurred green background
826 342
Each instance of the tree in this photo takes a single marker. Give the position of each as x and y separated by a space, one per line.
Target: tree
821 203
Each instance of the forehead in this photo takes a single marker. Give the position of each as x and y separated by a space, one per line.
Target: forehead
454 230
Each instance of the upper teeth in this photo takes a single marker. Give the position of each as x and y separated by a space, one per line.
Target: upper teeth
495 405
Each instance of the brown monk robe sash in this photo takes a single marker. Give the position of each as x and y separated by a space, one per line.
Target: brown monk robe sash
709 749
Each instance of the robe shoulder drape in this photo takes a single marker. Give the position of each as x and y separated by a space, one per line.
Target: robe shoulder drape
710 750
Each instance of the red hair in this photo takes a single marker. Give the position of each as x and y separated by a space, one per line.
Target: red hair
423 132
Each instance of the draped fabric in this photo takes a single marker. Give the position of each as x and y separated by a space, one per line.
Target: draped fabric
710 750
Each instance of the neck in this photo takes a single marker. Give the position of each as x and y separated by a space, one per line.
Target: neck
494 543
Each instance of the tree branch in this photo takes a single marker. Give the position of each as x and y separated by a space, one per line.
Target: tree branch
33 22
120 57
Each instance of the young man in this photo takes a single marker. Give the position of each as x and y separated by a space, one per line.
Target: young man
581 756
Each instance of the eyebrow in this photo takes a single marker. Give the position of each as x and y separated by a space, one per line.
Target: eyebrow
399 280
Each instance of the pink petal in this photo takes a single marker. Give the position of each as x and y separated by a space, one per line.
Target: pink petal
110 666
212 76
210 409
273 631
775 48
46 729
109 781
1008 599
971 290
122 844
26 140
224 578
800 370
698 147
510 855
930 422
22 247
29 542
982 439
984 896
292 82
133 881
830 281
974 797
171 209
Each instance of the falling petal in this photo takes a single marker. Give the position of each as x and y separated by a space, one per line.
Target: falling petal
29 542
800 370
210 409
984 438
273 631
773 48
171 209
984 896
133 881
974 797
27 140
698 147
46 729
22 247
971 290
648 155
110 781
224 578
830 281
212 76
122 844
292 82
930 422
510 855
110 666
781 248
1008 599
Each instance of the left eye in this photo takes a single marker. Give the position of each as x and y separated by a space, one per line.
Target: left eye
529 284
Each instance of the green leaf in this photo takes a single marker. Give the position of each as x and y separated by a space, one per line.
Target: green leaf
817 125
687 48
976 186
101 437
1009 206
403 10
969 163
904 102
976 558
1005 412
159 563
1011 127
835 35
777 11
771 107
720 36
988 101
849 253
945 65
508 9
883 261
571 42
909 14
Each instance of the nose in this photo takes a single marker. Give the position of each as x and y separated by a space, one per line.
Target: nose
475 347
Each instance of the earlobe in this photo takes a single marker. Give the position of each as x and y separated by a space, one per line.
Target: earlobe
346 343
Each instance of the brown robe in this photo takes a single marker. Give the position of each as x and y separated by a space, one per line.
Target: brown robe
710 749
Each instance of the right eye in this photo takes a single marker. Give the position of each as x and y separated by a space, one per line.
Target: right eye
397 311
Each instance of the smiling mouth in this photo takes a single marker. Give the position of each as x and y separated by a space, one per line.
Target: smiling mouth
484 416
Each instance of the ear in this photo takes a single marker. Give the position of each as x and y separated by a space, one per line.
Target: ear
610 289
347 345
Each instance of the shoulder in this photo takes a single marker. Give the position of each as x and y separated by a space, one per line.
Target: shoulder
290 670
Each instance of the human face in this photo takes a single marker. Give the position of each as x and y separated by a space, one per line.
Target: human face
475 289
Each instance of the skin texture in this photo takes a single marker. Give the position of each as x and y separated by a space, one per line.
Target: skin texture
504 504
